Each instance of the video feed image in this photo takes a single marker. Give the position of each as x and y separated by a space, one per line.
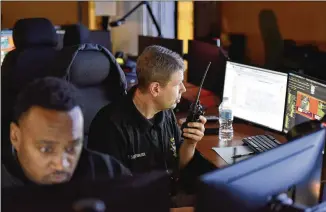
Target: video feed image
310 107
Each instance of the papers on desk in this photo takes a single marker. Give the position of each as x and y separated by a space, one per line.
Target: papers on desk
227 152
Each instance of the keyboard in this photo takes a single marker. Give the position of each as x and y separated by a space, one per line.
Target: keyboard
261 143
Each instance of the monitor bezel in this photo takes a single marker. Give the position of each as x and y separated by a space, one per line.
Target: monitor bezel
264 127
7 31
323 171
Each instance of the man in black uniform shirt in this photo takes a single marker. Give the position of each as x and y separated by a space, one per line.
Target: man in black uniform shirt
141 129
47 139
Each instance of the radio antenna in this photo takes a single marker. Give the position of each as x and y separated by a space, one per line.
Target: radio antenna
201 84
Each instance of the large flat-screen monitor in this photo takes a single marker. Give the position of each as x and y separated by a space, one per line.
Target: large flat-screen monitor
100 37
306 100
248 185
257 95
7 43
172 44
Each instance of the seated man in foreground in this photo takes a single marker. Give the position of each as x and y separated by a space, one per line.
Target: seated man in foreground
141 129
47 139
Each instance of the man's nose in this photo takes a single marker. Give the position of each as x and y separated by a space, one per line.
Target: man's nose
183 89
61 163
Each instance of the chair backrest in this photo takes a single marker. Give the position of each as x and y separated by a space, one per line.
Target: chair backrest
35 40
76 34
94 70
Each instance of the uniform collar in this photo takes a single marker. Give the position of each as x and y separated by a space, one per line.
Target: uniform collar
139 119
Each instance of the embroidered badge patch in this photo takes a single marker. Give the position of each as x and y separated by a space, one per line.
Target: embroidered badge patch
173 147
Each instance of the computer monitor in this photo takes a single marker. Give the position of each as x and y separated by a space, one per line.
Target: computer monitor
249 184
310 192
306 100
199 55
143 192
7 43
172 44
257 95
100 37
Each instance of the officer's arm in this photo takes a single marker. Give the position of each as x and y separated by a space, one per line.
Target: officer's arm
191 162
186 153
185 150
193 133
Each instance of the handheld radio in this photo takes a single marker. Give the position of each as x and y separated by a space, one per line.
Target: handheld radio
196 109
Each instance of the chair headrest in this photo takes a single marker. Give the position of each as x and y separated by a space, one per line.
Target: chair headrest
89 68
76 34
87 57
34 32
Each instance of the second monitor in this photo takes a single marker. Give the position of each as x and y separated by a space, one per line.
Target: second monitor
306 100
257 95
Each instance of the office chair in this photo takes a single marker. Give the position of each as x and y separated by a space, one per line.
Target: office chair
94 70
35 40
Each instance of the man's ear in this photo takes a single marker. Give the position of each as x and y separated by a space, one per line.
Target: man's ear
154 89
15 135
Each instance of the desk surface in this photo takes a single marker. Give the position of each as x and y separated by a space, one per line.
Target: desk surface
241 130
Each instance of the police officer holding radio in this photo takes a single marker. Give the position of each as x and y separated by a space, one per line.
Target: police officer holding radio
141 129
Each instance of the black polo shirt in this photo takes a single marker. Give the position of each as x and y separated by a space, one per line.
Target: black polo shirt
140 144
143 145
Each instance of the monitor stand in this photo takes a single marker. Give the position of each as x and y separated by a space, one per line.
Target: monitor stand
241 121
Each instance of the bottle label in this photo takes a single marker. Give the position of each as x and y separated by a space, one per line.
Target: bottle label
226 114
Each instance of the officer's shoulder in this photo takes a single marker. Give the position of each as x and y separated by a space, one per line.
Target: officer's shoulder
114 111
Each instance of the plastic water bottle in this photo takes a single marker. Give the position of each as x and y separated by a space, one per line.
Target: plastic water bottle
225 120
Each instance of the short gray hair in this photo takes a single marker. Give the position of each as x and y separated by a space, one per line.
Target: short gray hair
157 64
